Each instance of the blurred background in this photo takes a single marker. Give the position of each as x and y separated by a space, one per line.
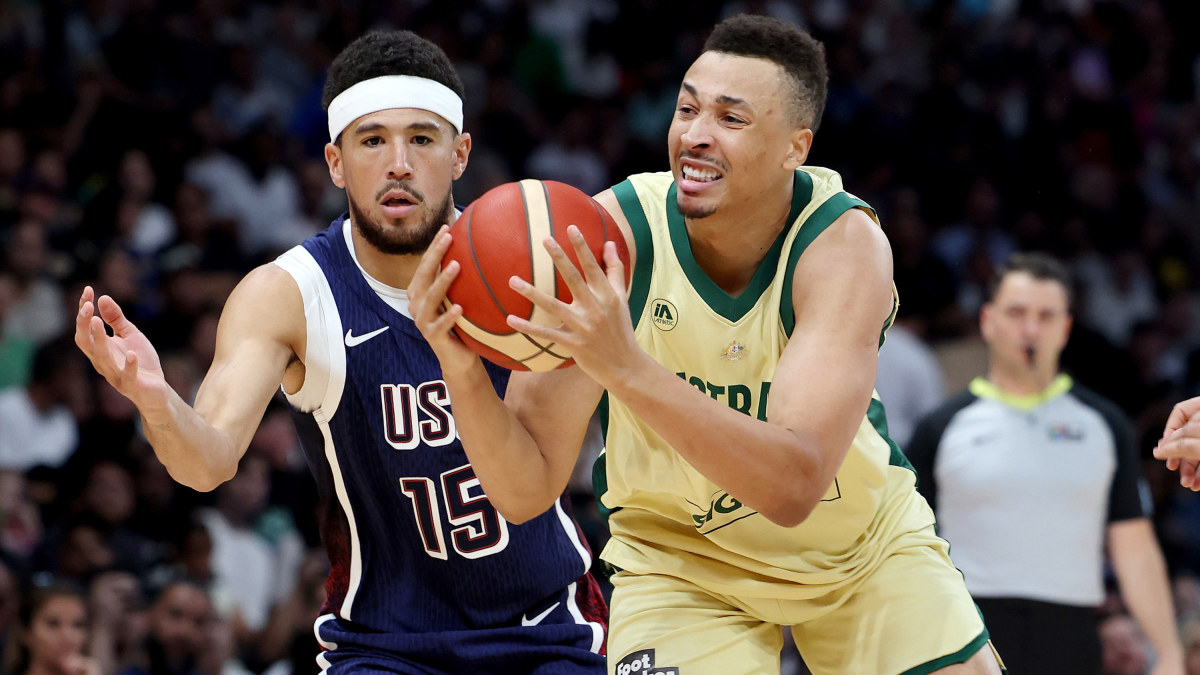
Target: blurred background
160 150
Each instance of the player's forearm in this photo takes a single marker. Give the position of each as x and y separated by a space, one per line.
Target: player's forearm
514 474
765 466
1152 609
195 452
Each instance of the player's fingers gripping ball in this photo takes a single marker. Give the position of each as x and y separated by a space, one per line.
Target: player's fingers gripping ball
500 235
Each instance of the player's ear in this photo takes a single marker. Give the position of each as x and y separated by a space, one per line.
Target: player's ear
1066 331
462 149
333 157
801 142
985 320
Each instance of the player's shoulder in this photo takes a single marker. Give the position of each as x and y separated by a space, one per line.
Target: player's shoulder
319 261
640 198
268 296
823 179
652 179
845 245
267 279
647 187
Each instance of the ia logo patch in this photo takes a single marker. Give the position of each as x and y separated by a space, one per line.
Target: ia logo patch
664 315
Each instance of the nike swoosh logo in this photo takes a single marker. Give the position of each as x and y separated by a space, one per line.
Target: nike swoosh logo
354 340
537 619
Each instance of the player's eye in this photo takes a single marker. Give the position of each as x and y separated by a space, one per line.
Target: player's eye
733 119
685 110
372 141
422 140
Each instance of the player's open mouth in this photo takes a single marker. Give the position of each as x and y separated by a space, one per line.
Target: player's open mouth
397 197
397 204
694 178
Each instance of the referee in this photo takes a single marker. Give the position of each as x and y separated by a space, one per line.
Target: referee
1030 476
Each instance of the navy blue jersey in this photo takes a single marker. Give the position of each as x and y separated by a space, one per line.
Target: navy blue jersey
415 546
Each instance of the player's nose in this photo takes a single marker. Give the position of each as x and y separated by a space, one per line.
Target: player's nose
1031 328
697 133
398 164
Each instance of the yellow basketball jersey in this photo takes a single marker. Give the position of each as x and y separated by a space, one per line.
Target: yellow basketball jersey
667 518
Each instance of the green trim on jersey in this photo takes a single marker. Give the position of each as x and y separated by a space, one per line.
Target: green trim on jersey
878 420
639 284
961 656
817 223
714 296
985 389
891 317
600 466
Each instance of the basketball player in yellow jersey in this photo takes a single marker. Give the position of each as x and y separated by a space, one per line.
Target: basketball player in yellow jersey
748 475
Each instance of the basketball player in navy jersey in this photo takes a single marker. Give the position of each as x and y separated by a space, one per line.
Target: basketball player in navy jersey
426 575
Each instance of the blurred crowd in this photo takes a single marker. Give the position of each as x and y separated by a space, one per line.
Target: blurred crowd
160 150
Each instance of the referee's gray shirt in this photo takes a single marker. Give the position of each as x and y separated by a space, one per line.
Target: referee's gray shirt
1025 486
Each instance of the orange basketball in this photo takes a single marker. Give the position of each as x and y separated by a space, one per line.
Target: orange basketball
500 235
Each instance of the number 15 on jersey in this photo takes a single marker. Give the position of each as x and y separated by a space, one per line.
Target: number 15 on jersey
475 528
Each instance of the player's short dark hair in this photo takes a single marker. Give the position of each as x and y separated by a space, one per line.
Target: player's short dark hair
1040 266
381 53
801 56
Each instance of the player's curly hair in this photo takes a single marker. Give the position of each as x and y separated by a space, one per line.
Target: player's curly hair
381 53
801 56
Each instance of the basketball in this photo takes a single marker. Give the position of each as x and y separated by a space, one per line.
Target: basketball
500 235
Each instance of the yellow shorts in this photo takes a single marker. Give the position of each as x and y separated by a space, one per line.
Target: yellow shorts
912 616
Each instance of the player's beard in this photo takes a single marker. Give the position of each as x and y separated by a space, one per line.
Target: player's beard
400 239
695 212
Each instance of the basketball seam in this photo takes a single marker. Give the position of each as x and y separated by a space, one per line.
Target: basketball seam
550 224
506 347
487 286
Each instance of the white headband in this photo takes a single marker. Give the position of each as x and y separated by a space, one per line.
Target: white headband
393 91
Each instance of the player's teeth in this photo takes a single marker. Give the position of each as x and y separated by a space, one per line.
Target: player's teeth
699 174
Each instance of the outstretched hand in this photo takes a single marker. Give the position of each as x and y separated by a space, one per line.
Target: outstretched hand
1180 442
427 304
595 328
126 359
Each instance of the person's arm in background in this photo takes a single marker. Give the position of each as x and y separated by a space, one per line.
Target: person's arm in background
1180 442
1142 579
1133 548
261 328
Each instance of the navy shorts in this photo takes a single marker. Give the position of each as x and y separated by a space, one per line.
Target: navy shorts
560 642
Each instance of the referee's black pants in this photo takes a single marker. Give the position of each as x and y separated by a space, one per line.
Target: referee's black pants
1043 638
